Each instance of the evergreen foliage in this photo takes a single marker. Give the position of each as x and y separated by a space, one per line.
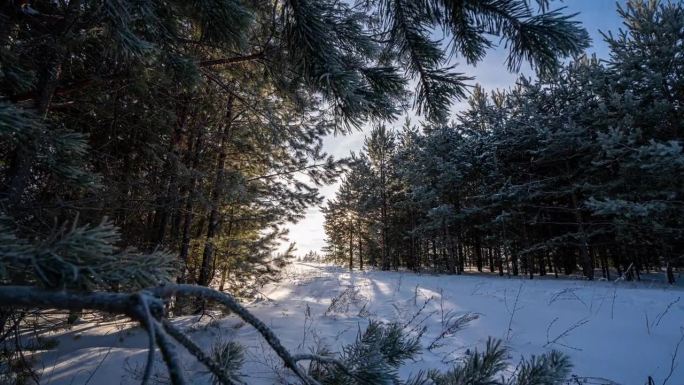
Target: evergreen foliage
381 349
577 169
487 368
373 358
191 124
229 356
80 257
196 127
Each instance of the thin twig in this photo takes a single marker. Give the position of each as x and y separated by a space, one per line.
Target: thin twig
661 315
196 351
99 365
453 324
673 361
564 334
417 313
515 309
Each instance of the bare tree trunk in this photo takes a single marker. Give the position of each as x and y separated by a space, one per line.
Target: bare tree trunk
205 276
359 231
461 258
670 273
606 262
448 256
189 200
224 275
453 264
351 248
385 251
181 190
514 260
360 253
478 253
415 253
587 263
490 256
383 213
168 198
434 253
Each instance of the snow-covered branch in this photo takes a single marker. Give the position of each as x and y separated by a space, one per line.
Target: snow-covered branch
146 307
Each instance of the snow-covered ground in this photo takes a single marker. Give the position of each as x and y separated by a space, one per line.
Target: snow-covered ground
623 332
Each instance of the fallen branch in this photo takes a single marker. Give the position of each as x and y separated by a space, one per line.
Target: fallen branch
673 361
660 316
564 334
152 338
417 314
512 312
228 301
169 354
197 352
147 308
452 324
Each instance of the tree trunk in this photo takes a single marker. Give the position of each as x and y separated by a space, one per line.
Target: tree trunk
452 254
500 261
587 263
461 257
19 173
451 268
490 256
217 194
351 248
514 261
415 253
224 275
670 273
189 201
478 253
169 196
434 253
360 253
383 213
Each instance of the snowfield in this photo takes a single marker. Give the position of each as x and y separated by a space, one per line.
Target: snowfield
623 332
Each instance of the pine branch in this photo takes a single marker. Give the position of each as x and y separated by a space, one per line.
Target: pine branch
148 323
196 351
133 305
169 354
325 360
231 60
230 303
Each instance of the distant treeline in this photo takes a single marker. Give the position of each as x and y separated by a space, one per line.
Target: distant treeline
579 169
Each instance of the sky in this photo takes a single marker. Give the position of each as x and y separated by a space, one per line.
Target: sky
491 73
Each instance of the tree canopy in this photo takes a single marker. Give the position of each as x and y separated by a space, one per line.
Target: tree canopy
579 168
189 124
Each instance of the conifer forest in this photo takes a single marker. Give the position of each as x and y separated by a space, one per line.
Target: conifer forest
156 154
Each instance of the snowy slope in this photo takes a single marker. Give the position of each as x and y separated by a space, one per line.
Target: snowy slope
622 332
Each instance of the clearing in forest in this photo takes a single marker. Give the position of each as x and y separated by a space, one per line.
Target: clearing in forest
623 332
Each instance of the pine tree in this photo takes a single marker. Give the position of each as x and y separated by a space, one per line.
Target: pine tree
572 170
188 123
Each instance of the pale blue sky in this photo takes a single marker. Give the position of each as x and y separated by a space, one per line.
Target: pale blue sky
595 15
